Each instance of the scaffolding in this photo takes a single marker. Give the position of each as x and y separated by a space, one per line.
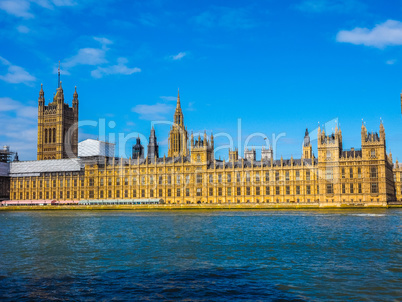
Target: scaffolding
7 156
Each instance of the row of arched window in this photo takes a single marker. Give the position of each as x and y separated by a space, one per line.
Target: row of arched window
50 135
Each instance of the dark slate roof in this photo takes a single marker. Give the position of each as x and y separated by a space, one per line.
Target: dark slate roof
247 164
351 153
373 136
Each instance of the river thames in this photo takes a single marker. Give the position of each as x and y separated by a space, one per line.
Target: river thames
272 255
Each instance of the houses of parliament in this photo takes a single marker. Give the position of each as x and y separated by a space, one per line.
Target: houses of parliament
190 174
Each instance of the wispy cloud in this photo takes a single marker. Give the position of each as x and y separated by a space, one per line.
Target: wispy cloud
157 111
17 8
23 29
22 8
190 106
179 56
104 41
388 33
119 68
390 62
169 98
8 104
50 4
148 20
89 55
15 74
226 17
97 57
339 6
19 124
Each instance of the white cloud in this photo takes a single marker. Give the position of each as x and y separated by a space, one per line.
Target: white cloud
390 62
339 6
103 41
21 8
50 4
89 55
153 112
15 74
9 105
64 2
17 8
86 56
179 56
19 127
119 68
388 33
23 29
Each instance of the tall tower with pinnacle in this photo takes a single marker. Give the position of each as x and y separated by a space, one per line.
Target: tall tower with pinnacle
57 125
307 148
178 133
153 148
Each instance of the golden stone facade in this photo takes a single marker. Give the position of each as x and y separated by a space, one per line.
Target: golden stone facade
57 122
191 174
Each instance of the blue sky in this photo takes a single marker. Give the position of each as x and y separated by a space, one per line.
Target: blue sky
279 66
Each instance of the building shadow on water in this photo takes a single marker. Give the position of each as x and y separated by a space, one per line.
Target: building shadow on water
134 285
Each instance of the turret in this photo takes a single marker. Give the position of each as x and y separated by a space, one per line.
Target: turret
250 155
363 133
178 116
41 99
267 154
201 151
75 99
59 97
138 149
382 132
212 141
233 155
307 148
153 148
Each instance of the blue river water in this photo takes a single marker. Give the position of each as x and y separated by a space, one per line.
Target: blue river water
273 255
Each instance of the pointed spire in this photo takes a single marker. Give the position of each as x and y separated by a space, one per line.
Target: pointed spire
75 95
58 83
382 130
41 93
178 99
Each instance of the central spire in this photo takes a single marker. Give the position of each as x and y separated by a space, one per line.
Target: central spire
178 133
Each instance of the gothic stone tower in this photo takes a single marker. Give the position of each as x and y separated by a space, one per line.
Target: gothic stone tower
178 134
57 126
202 150
153 148
138 149
307 148
378 173
329 154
